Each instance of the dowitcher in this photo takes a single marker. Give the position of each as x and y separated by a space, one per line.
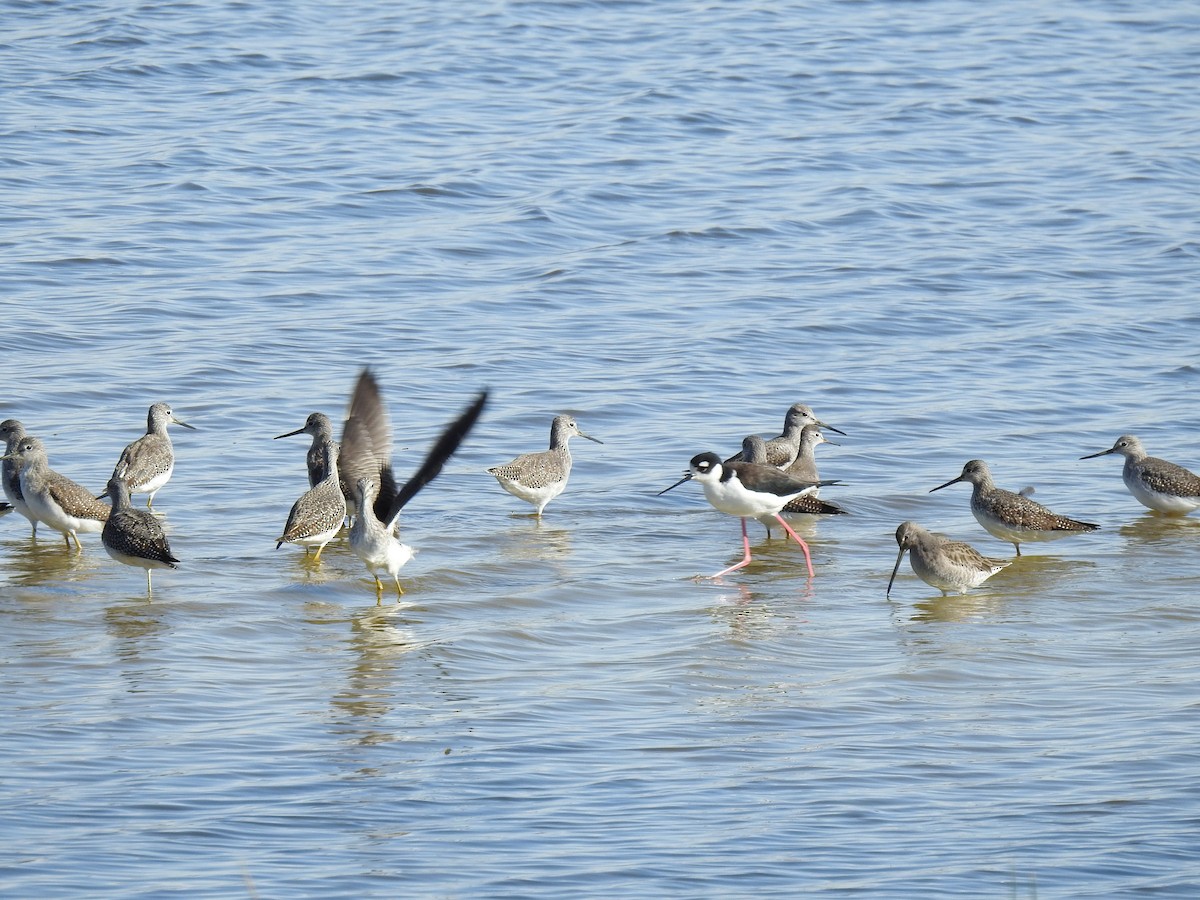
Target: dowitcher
945 564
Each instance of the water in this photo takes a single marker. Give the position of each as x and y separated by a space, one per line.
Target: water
956 230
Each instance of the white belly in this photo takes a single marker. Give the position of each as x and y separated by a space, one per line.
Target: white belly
1164 503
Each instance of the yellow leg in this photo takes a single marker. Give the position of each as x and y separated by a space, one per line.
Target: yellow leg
317 558
399 590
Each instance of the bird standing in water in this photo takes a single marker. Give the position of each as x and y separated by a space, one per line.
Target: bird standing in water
134 536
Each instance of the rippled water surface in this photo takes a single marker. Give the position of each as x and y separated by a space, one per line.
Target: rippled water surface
956 230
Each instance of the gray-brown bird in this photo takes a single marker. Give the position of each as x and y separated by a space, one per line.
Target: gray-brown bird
54 499
147 464
1156 483
1012 517
134 536
945 564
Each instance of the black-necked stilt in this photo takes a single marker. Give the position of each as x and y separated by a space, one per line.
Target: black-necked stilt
538 478
134 536
146 464
748 490
945 564
1012 517
1156 483
373 538
54 499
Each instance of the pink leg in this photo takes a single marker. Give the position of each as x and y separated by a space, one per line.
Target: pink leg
745 560
798 540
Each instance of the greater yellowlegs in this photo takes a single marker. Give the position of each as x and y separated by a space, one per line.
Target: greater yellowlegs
373 539
945 564
370 456
318 515
1012 517
782 449
146 464
747 490
804 466
317 426
11 432
54 499
538 478
133 536
1156 483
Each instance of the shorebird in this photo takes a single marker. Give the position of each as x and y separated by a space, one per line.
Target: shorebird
370 457
146 464
1156 483
1012 517
318 515
945 564
133 536
538 478
318 426
782 449
754 452
805 467
54 499
747 490
11 432
373 539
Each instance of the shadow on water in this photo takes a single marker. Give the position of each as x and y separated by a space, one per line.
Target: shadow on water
381 641
1154 528
540 541
48 560
1028 578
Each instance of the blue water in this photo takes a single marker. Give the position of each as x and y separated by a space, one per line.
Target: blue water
956 230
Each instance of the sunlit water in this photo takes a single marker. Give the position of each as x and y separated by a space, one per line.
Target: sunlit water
957 230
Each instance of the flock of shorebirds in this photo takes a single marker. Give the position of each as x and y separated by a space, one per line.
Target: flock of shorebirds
352 482
770 478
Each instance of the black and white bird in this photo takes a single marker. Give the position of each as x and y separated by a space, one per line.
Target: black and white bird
748 490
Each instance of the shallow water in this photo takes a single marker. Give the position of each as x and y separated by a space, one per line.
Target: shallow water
956 231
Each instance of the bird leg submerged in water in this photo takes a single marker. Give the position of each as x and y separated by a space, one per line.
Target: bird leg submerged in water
373 537
748 490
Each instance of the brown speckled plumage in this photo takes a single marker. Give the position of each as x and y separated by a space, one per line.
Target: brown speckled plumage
1012 517
134 536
